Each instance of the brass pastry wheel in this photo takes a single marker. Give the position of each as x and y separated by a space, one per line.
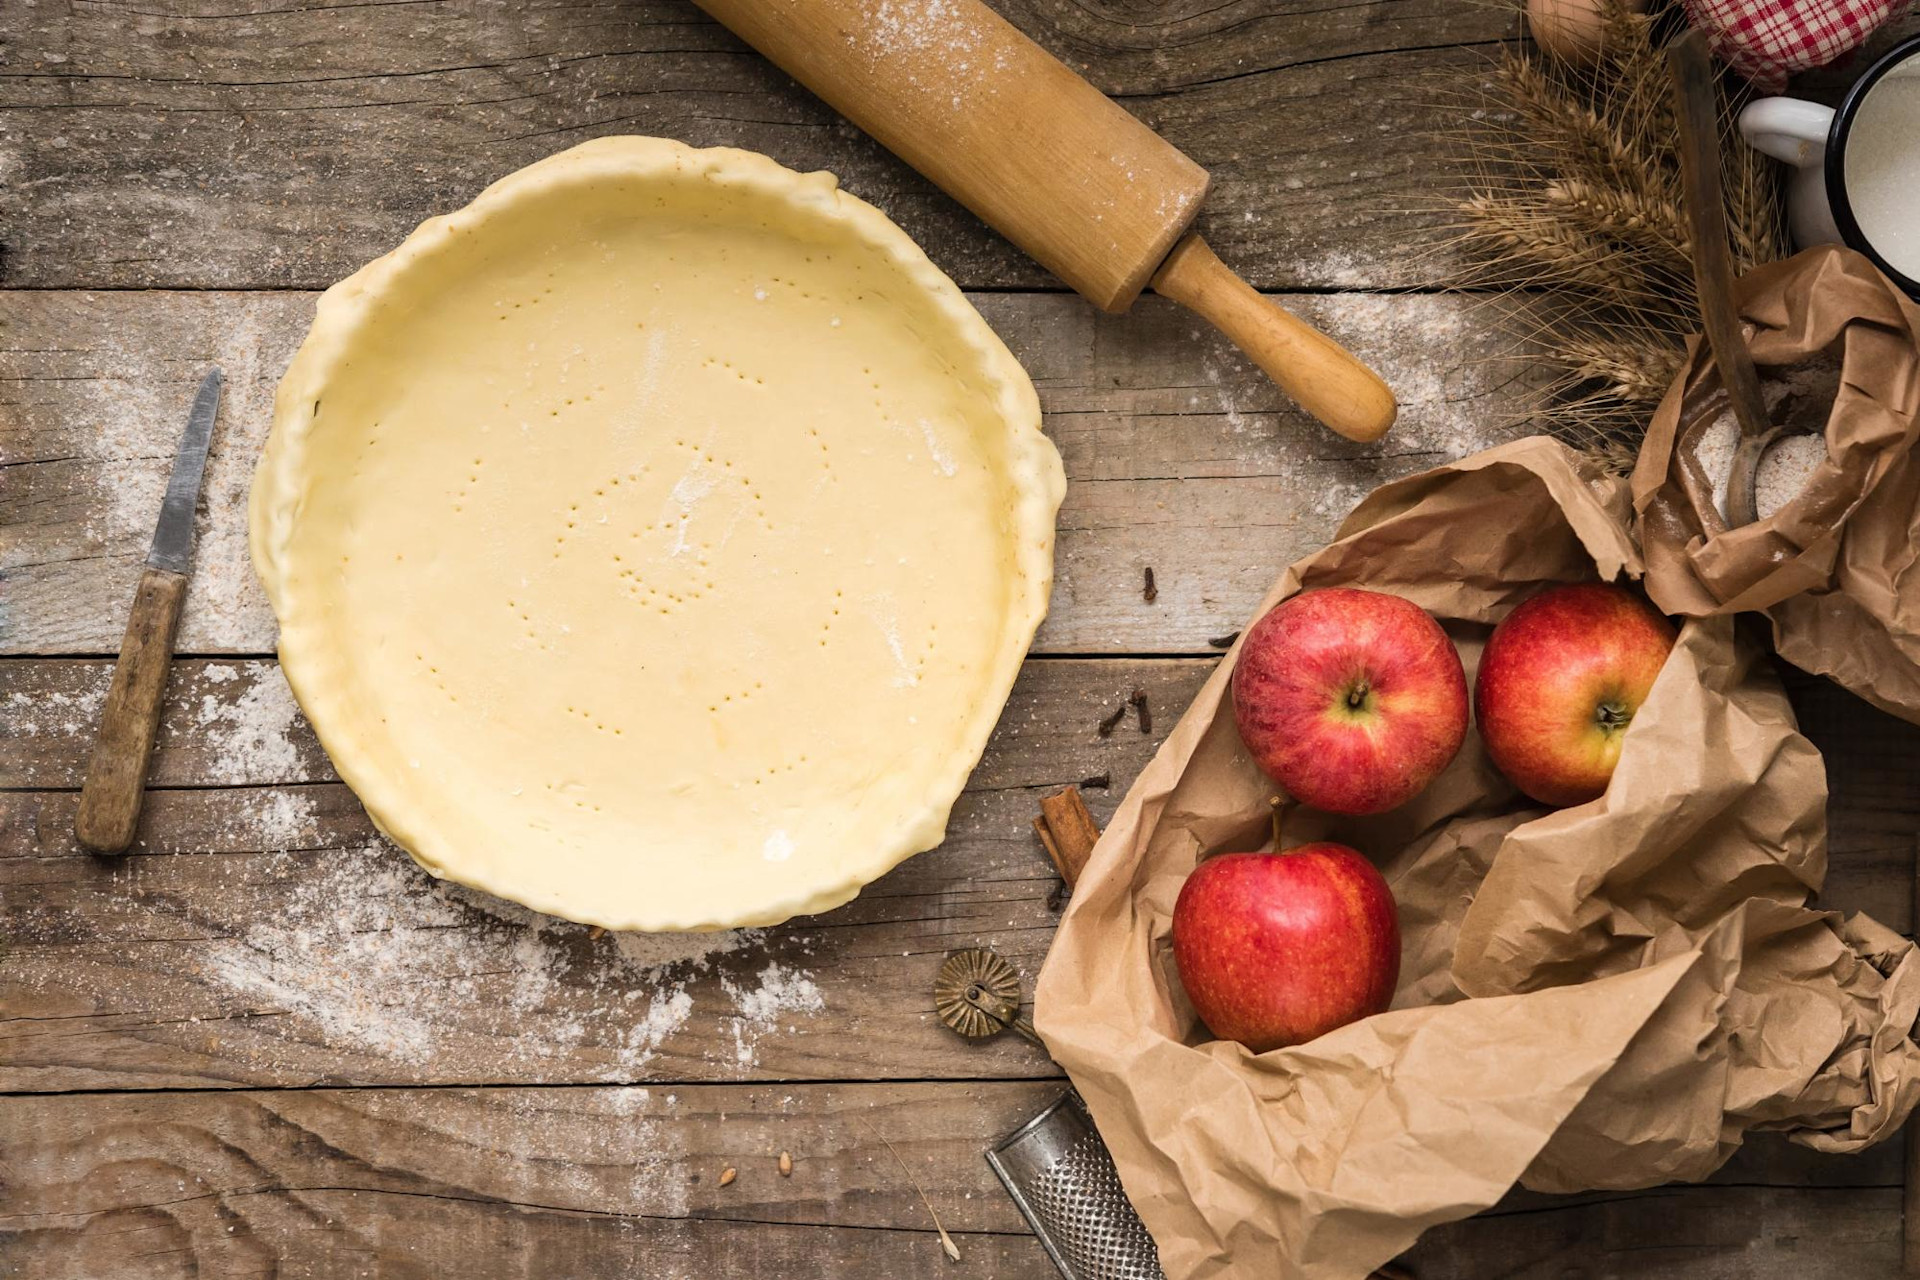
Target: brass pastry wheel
977 993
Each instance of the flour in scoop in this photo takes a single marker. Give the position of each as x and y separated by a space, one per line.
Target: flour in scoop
1801 396
1784 468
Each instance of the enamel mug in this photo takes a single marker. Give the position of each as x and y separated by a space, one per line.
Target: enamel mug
1856 167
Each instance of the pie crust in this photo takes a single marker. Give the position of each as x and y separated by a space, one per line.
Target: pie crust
655 541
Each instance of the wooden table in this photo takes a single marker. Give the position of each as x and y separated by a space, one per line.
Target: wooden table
264 1043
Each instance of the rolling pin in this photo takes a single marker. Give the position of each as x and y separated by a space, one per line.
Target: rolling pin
1095 196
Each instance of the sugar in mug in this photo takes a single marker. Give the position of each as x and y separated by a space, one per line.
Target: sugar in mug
1856 167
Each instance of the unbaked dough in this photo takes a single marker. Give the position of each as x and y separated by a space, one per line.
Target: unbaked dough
656 540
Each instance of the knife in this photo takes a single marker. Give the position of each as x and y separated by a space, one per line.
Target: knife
117 773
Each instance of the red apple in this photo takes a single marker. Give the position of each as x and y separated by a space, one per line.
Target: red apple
1351 700
1278 948
1559 683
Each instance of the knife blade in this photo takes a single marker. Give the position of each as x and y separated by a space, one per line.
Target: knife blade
110 797
173 537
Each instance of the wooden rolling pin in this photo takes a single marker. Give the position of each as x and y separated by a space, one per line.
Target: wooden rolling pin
1097 197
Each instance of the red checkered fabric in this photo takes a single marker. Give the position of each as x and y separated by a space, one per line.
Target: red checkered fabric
1768 40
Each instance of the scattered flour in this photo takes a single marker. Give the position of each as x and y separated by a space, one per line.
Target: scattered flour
650 951
71 715
911 26
605 1148
1336 269
781 990
778 847
906 677
379 958
281 820
250 738
1417 346
687 493
935 449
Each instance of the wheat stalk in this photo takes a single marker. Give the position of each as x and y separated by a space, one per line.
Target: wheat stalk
1573 209
1627 372
1754 222
1651 227
1546 246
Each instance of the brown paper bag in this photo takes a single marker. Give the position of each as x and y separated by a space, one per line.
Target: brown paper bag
1833 569
1602 996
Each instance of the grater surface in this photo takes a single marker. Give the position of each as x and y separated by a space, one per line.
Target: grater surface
1060 1175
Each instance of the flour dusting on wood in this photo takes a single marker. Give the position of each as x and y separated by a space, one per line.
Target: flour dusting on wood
377 957
249 738
761 1009
63 713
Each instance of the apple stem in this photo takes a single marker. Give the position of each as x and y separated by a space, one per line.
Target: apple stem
1276 814
1357 696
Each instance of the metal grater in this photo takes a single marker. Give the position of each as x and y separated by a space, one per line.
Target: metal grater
1055 1166
1057 1170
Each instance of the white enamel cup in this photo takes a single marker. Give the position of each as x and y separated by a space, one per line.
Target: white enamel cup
1813 139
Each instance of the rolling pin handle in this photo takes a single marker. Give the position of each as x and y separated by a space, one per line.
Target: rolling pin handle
1322 376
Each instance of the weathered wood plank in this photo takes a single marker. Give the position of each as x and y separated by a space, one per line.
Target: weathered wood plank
1677 1233
1180 455
265 934
634 1152
234 722
625 1181
529 1183
180 144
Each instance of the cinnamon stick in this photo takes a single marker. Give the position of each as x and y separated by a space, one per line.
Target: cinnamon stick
1068 831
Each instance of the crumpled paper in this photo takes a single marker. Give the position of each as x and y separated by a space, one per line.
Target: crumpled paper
1603 996
1833 570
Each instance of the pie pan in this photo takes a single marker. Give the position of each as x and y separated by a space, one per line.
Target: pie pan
655 540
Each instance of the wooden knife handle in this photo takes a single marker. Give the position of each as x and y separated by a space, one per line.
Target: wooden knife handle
110 798
1321 375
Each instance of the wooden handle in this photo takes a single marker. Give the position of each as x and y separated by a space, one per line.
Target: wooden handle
1697 107
110 798
1320 374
